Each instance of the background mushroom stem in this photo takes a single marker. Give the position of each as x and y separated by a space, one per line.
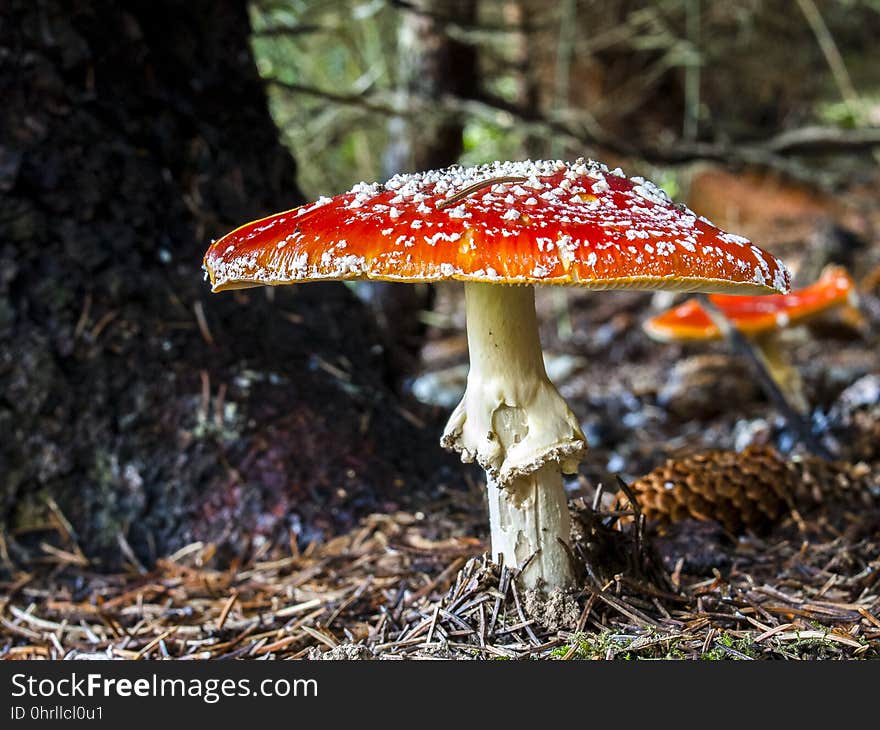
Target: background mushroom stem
776 360
758 363
513 421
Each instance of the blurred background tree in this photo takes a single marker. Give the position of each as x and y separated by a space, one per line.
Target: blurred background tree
665 82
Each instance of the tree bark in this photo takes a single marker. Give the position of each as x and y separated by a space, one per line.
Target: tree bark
132 401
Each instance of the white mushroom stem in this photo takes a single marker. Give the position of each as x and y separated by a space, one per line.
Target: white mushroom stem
514 423
531 527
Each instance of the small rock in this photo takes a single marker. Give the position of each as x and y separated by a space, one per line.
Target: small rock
445 387
562 366
442 388
854 419
751 432
863 393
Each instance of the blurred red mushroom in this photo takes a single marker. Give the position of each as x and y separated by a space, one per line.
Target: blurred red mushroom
502 228
761 319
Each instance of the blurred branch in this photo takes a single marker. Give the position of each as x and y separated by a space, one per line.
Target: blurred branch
581 127
824 139
831 52
290 30
375 102
581 130
803 141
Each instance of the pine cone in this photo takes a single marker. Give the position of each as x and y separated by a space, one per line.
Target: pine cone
749 490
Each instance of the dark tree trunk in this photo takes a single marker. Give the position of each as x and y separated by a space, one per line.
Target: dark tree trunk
130 397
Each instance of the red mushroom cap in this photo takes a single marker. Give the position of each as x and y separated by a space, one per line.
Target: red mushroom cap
524 222
755 315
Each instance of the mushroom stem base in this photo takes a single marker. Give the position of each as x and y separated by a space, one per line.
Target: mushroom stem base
530 521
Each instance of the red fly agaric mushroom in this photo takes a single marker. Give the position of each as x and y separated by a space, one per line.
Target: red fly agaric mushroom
501 229
760 319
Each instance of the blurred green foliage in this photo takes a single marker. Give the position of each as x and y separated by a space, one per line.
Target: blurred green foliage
484 142
343 47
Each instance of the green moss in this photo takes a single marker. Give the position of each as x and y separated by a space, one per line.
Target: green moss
738 645
815 647
651 645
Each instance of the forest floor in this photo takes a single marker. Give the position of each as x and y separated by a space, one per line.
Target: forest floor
411 586
416 583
